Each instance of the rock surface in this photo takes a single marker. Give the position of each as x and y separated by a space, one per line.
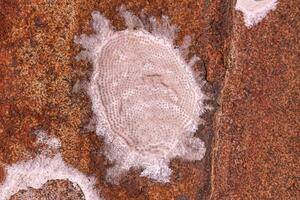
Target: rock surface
54 189
256 150
253 74
38 71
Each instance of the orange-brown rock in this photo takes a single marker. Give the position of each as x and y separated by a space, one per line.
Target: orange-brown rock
254 73
54 189
256 149
38 72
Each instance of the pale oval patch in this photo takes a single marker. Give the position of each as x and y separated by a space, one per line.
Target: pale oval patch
145 96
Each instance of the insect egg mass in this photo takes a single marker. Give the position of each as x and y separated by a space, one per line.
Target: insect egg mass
144 95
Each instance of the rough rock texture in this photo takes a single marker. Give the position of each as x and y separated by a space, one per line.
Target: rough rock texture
256 145
54 189
38 71
256 150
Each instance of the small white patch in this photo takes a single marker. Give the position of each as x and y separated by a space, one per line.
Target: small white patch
44 138
145 96
255 10
34 173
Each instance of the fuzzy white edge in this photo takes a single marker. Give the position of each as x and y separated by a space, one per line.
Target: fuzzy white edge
162 34
36 172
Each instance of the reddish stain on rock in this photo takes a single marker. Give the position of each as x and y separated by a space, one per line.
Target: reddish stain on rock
2 174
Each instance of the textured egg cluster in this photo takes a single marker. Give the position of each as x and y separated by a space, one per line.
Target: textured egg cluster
145 97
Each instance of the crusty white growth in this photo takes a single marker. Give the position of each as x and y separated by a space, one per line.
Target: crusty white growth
145 96
34 173
255 10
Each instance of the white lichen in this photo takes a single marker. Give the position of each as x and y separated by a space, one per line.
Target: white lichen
44 138
144 94
34 173
255 10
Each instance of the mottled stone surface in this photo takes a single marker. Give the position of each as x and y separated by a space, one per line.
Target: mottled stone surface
256 149
256 145
38 71
54 189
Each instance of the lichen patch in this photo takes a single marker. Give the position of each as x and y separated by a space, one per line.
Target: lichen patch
255 10
36 172
144 94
